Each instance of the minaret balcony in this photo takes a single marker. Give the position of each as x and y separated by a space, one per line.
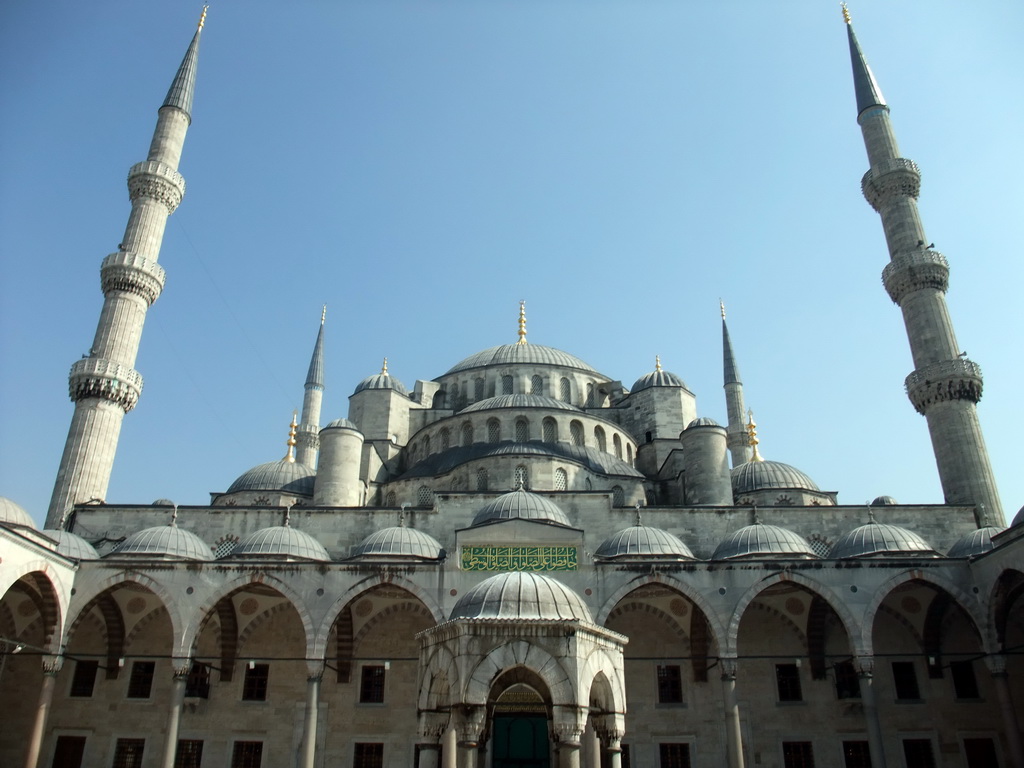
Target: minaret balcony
944 381
156 181
129 272
105 379
914 270
891 178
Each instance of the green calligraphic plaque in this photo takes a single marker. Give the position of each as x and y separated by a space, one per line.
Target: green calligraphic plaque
491 558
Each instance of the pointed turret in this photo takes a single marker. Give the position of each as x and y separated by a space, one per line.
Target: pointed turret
183 88
309 429
739 445
945 386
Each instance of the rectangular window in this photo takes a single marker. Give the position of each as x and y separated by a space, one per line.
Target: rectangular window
856 754
84 679
371 686
247 754
368 756
189 754
797 754
980 753
787 678
965 684
68 752
128 753
140 684
197 685
675 755
904 679
670 684
918 753
847 682
254 688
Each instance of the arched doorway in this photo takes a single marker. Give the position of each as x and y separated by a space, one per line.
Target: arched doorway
520 729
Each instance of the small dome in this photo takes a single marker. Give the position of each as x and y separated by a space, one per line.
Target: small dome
1018 518
657 379
523 354
341 424
382 381
400 542
760 540
518 401
975 543
72 545
884 501
519 595
13 513
523 505
703 421
879 539
168 541
643 541
162 503
280 541
283 475
766 475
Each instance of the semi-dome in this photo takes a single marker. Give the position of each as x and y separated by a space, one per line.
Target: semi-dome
884 501
519 401
280 541
703 421
72 545
13 513
760 540
166 541
399 542
975 543
523 354
520 595
382 381
879 539
283 475
523 505
644 541
658 378
766 475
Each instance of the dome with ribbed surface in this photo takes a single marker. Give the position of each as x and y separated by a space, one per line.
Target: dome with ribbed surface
523 505
72 545
703 421
658 379
524 354
884 501
975 543
520 595
768 475
643 541
168 541
283 475
382 381
760 540
342 424
879 539
400 542
280 541
519 401
15 514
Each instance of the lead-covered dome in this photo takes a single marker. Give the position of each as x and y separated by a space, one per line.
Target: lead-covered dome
72 545
382 380
703 421
1018 518
13 513
884 501
518 401
341 424
283 475
975 543
658 378
523 505
760 540
399 542
879 539
280 542
519 595
523 354
164 541
644 542
767 475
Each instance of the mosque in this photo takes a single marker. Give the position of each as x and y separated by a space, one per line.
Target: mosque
518 562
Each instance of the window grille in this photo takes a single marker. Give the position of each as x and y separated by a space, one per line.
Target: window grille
550 427
576 433
371 686
602 441
536 386
493 431
128 753
247 754
561 479
140 684
257 678
565 391
522 478
425 496
522 430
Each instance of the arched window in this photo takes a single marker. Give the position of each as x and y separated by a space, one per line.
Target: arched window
440 399
522 477
493 431
478 389
588 484
455 397
391 500
576 433
561 479
446 438
506 385
602 443
590 395
629 454
537 385
565 391
426 446
617 444
481 479
550 430
618 496
425 496
522 430
467 434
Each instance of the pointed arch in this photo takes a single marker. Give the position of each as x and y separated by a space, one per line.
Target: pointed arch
520 655
53 592
438 679
1006 590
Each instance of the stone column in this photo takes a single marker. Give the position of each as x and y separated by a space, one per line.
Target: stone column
569 723
610 734
865 666
469 725
51 666
733 736
450 749
1000 680
591 747
181 670
432 728
309 720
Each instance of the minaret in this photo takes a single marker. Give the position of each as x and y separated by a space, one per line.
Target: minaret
945 385
309 430
739 445
104 384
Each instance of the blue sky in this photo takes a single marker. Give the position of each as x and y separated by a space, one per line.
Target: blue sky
420 167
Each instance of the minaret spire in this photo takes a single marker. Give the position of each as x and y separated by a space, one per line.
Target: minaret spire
739 444
945 386
104 384
308 435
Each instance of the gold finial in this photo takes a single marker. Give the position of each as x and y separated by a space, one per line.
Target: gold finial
384 368
290 456
657 363
522 323
202 18
752 436
846 12
323 315
721 306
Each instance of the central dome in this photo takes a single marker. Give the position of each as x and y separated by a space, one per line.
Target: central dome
524 354
519 595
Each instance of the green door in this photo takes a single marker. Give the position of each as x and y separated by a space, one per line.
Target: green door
521 741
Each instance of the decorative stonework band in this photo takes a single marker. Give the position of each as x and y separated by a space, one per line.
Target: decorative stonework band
131 273
97 377
308 436
156 181
909 272
944 381
895 177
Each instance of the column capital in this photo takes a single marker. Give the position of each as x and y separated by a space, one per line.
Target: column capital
728 666
569 722
865 665
315 670
996 663
469 723
52 664
180 667
433 724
